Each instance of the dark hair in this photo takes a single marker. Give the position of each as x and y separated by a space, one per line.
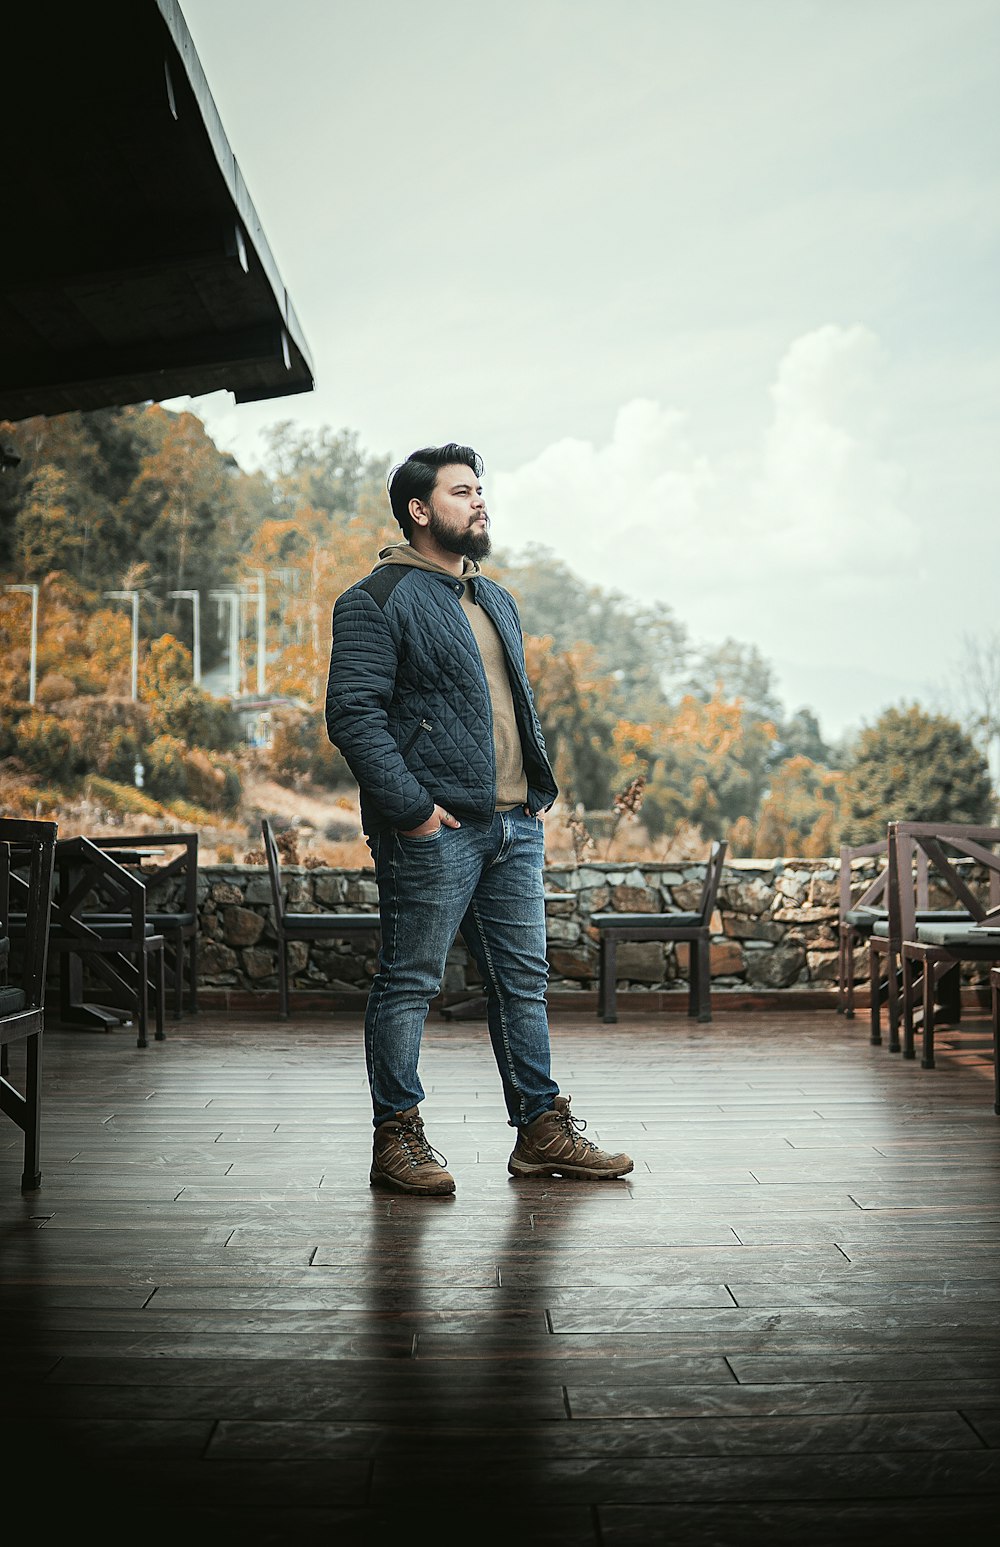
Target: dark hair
415 478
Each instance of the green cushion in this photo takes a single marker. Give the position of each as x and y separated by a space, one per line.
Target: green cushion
12 1000
944 916
958 934
865 916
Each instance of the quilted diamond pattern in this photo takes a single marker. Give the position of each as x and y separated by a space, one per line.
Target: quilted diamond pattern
407 700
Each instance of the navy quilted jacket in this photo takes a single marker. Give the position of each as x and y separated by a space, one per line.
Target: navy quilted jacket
407 702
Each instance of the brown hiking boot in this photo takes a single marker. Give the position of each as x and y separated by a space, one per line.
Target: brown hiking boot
553 1146
402 1159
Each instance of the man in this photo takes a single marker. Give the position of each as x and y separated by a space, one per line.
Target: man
429 702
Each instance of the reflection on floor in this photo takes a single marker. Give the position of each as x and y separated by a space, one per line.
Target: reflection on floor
782 1327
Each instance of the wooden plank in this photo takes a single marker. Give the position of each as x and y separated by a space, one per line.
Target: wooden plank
208 1313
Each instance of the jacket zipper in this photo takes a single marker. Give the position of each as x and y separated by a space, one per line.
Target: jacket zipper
425 725
486 687
514 675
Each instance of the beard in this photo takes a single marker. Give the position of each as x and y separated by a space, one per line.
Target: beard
469 544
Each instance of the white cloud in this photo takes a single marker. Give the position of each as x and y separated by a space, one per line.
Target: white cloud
827 496
785 549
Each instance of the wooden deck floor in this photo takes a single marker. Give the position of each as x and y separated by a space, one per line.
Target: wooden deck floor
781 1328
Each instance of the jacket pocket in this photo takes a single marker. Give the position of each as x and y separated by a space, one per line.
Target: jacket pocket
407 747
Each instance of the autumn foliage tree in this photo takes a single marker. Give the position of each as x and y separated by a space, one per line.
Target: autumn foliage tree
571 696
141 498
800 813
705 764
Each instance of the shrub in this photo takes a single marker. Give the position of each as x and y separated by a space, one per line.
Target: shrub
45 745
55 688
212 781
118 754
110 734
301 750
196 718
166 768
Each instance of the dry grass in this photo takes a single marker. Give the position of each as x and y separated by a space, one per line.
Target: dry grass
327 826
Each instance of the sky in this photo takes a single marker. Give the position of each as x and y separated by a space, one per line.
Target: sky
711 286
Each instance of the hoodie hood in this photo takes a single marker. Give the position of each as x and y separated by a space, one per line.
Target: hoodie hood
402 553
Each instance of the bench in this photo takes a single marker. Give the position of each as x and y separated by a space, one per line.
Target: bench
692 929
306 926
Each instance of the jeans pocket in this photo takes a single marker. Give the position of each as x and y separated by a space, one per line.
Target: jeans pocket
406 838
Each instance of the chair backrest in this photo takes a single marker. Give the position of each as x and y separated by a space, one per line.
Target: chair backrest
88 873
31 847
913 845
274 868
872 895
179 857
713 876
4 889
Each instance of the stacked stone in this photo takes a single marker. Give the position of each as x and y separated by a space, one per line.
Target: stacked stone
775 927
238 942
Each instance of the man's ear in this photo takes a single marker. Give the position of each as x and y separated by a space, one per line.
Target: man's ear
419 512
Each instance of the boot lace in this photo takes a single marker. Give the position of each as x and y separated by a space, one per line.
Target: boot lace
418 1148
573 1128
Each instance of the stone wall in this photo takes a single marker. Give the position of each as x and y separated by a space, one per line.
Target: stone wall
775 927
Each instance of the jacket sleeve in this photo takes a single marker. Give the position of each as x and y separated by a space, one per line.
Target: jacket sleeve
360 686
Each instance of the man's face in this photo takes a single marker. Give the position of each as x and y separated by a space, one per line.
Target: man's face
458 520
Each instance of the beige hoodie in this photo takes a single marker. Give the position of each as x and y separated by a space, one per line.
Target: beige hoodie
512 783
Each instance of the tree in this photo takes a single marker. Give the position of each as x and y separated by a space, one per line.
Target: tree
571 696
48 534
800 736
322 468
975 690
94 456
641 650
913 766
179 510
708 767
800 814
735 671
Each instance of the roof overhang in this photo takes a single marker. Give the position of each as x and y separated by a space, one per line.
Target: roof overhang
135 267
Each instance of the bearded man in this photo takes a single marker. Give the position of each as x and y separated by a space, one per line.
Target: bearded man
428 700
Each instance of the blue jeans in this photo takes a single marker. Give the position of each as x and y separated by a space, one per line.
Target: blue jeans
484 883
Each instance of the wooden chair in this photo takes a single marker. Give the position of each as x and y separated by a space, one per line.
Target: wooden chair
693 929
857 917
154 860
306 926
885 937
27 857
932 952
995 1008
99 918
